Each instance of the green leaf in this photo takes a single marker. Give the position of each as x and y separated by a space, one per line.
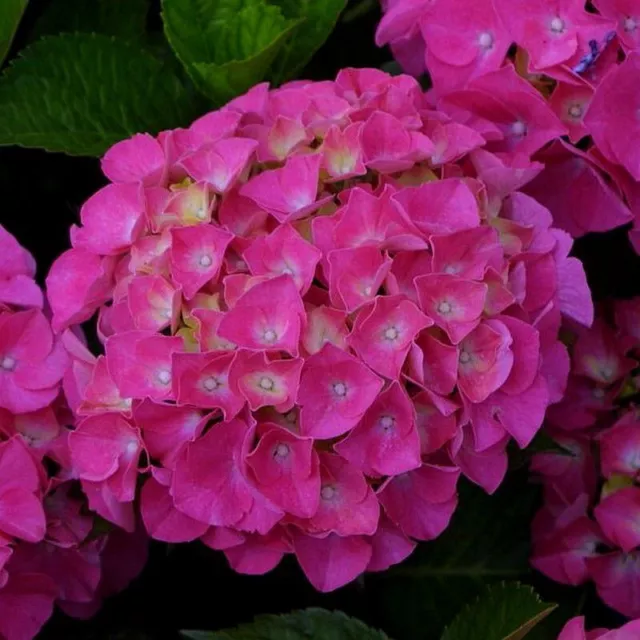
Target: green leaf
320 17
81 93
10 14
226 46
123 18
486 542
506 611
310 624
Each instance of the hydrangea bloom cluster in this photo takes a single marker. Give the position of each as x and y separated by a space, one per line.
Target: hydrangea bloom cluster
587 528
574 630
547 79
319 305
49 548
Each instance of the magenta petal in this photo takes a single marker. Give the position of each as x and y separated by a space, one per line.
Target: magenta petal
204 380
18 467
140 363
220 164
138 159
348 505
289 192
486 468
390 546
256 323
265 382
26 603
208 482
258 555
485 360
21 514
196 256
98 443
102 501
617 578
166 428
162 520
331 562
619 516
383 332
112 220
286 471
526 353
422 501
441 206
284 251
386 441
519 415
453 303
335 391
21 291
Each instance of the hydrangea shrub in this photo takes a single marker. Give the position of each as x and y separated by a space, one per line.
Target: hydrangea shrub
51 549
586 529
319 305
549 80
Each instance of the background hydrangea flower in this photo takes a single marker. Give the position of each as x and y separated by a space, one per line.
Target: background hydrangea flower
587 527
526 74
50 550
286 344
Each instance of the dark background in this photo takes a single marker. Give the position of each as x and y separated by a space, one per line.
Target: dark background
190 586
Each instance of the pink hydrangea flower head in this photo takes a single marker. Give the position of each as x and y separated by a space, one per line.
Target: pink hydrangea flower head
588 526
318 306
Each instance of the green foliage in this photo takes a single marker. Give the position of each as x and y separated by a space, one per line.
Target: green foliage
487 542
319 18
81 93
122 18
10 14
506 611
310 624
227 46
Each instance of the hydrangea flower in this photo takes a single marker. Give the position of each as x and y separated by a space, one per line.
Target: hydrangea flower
587 527
553 80
50 552
319 306
574 630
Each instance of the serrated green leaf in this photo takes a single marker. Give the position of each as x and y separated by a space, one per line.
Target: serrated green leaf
123 18
310 624
505 611
10 15
81 93
224 82
320 17
486 542
226 46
